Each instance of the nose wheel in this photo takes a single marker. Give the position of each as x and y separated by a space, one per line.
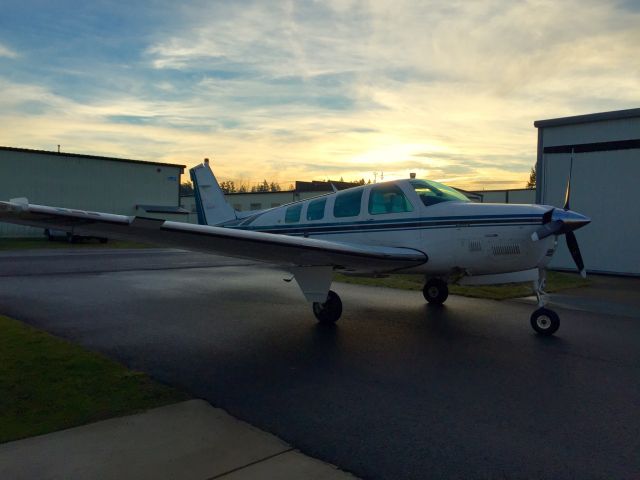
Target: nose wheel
545 322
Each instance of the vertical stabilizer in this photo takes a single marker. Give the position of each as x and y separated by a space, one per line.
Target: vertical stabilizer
211 205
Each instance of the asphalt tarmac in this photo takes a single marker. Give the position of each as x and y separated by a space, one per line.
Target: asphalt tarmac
396 390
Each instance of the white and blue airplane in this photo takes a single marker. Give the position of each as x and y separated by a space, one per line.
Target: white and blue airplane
411 226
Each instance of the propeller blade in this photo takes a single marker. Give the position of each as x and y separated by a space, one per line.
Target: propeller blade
567 193
572 244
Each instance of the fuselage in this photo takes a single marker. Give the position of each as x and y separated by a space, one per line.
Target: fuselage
455 234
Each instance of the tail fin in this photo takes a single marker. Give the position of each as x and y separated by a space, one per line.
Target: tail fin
211 206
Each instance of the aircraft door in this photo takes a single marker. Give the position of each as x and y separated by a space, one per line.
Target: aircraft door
346 211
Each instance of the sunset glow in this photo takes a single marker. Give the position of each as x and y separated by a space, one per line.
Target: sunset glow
313 90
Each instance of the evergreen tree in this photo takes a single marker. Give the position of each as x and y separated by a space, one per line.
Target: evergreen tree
531 184
186 188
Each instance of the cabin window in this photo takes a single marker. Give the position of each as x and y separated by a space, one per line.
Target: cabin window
347 204
388 199
315 210
292 215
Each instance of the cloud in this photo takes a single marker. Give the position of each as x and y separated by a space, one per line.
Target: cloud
7 52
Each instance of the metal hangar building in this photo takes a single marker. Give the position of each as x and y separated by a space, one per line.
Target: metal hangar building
606 168
88 182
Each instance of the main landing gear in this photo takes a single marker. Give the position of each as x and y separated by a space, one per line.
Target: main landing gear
328 312
435 291
543 320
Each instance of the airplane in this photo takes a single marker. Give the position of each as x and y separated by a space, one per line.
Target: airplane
410 226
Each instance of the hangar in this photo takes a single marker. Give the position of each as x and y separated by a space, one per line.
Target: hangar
606 169
88 182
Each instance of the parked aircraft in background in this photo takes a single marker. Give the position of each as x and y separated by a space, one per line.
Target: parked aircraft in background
403 226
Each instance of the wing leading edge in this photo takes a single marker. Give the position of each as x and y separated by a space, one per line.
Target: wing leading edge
265 247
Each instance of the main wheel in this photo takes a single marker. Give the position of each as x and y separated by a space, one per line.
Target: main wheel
328 312
435 291
545 322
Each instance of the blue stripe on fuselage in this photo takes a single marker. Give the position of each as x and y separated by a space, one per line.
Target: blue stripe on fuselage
398 224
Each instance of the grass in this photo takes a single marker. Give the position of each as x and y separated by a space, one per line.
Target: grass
49 384
43 243
555 281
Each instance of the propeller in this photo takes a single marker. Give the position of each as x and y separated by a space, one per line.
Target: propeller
565 222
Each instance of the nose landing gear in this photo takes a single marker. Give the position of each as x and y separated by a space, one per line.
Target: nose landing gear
543 320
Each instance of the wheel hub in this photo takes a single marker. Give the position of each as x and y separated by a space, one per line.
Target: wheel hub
543 321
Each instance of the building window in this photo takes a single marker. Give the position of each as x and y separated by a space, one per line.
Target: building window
388 199
315 210
237 207
292 214
347 204
255 206
274 205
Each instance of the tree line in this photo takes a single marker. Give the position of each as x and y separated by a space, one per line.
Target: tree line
229 186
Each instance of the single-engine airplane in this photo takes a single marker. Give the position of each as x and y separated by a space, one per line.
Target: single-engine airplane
409 226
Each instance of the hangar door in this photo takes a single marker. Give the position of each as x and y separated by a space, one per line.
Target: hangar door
604 187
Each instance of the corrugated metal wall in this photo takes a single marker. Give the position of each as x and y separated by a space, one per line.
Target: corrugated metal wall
85 183
604 187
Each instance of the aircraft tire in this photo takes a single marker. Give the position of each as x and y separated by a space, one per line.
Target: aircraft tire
545 322
328 312
435 291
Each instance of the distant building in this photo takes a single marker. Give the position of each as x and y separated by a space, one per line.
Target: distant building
514 195
89 182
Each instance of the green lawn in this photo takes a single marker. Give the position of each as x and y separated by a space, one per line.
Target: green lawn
555 281
41 243
49 384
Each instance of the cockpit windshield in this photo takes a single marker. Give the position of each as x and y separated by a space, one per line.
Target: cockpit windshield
431 192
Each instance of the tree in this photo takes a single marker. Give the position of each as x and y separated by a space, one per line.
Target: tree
531 184
274 187
228 186
263 187
186 188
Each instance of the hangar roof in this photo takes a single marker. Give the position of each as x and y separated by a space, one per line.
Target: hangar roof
95 157
591 117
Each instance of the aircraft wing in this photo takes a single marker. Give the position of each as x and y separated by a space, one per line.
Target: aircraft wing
282 250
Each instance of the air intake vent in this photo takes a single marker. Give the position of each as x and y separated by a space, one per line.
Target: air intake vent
475 246
508 249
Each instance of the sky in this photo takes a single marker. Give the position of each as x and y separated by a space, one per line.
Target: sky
302 90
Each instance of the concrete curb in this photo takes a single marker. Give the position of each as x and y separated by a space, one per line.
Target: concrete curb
187 440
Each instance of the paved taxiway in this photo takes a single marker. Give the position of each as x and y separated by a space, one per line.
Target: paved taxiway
396 390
